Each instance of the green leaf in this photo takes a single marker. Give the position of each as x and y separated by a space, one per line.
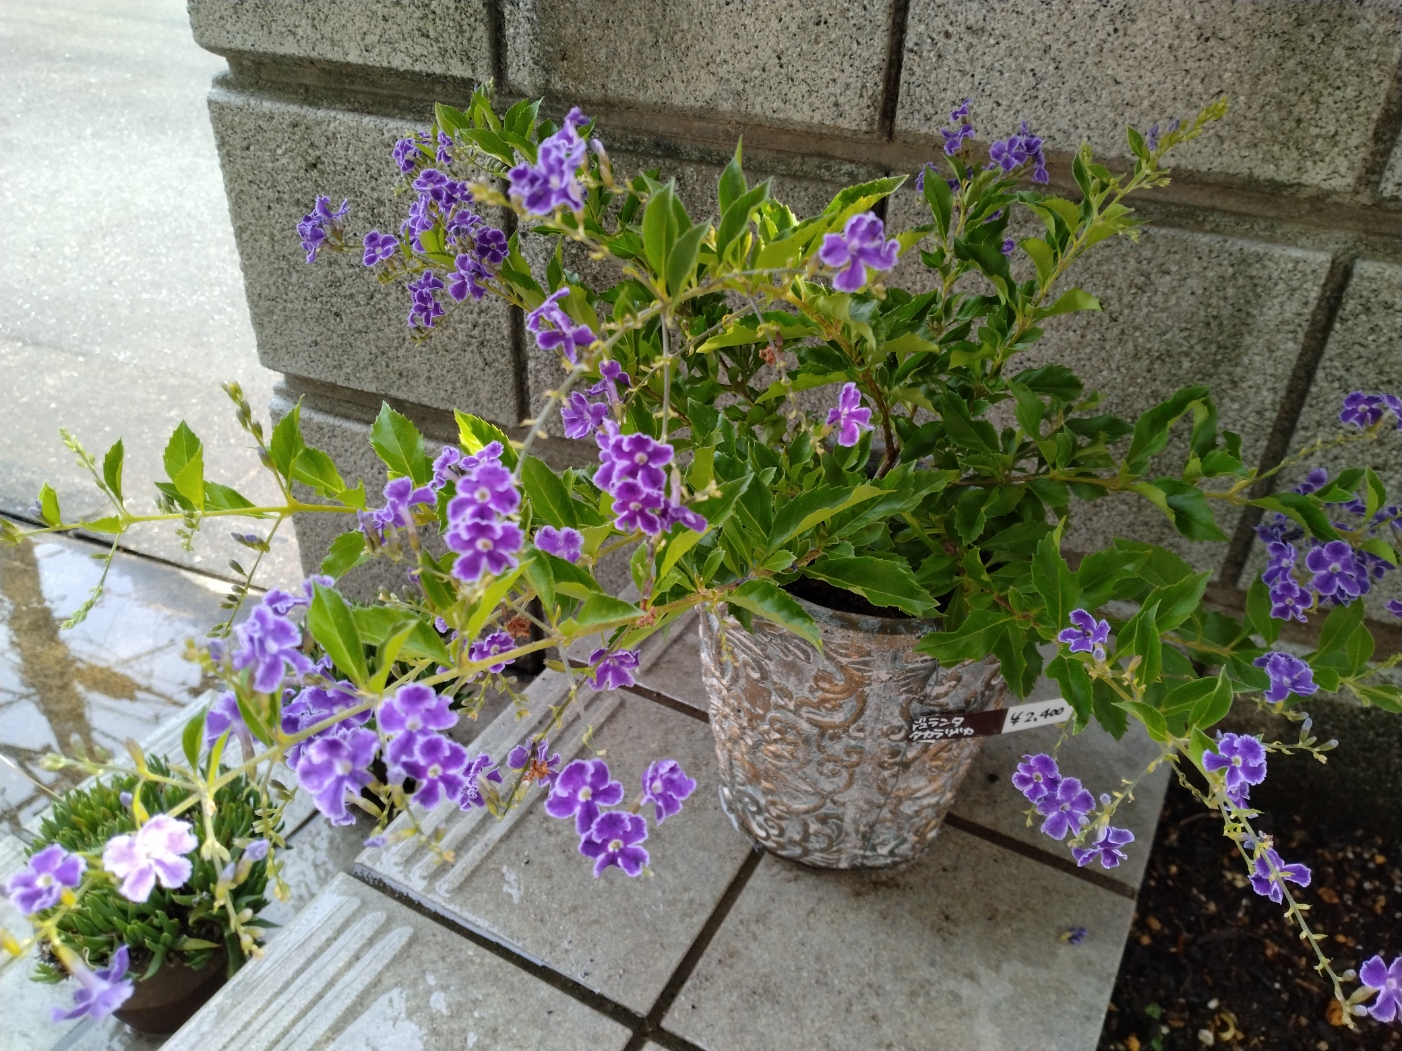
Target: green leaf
732 181
768 600
1386 697
1338 628
287 443
346 552
600 611
400 446
736 216
221 498
1148 644
1303 510
1043 258
1052 578
880 581
184 464
192 737
1178 601
1212 708
812 508
1071 300
681 262
333 627
550 500
570 579
475 434
1258 611
1187 695
677 547
974 639
1151 717
1189 510
381 625
939 198
1075 685
313 467
1151 429
112 468
48 505
659 229
718 509
250 718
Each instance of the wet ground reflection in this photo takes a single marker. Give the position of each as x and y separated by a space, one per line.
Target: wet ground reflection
117 675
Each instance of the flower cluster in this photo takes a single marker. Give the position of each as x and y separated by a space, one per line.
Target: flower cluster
849 417
954 138
861 246
268 645
631 472
1065 804
480 528
563 543
551 182
611 837
555 330
401 497
1016 150
321 223
583 417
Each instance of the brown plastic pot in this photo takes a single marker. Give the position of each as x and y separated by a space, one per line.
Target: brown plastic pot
166 1000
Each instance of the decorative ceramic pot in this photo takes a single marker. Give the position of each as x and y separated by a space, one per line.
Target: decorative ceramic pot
815 760
165 1001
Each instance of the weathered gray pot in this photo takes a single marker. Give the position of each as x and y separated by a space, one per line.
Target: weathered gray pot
815 764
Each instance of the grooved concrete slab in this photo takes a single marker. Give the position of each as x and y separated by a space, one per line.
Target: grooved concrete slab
767 60
523 882
331 321
1307 82
358 970
960 949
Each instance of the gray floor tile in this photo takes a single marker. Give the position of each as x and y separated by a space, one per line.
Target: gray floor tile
357 970
959 950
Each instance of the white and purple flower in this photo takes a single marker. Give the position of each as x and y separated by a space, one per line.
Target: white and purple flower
1065 809
1386 980
1105 848
155 852
849 417
563 543
100 992
581 790
1244 760
613 840
39 885
860 247
1288 674
665 786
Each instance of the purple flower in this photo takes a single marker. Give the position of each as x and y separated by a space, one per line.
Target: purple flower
1287 674
580 790
39 885
1036 776
665 785
224 717
491 246
1290 601
1016 150
676 514
849 417
581 416
256 851
613 670
1074 935
497 642
467 279
156 851
1008 245
1313 481
563 543
471 795
1387 980
439 767
636 507
555 330
379 247
1337 573
485 491
485 547
1065 809
1244 759
1106 847
860 246
329 767
1086 635
101 992
416 707
318 224
425 309
314 705
406 155
1271 873
631 457
1280 561
1362 410
611 374
540 767
550 183
401 497
613 840
1394 606
267 642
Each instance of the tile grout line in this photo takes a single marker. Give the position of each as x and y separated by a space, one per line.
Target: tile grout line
1063 865
576 990
651 1027
895 58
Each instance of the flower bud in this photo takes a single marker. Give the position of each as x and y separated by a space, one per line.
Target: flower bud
245 915
8 943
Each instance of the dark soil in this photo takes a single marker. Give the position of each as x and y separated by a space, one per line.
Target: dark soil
1206 955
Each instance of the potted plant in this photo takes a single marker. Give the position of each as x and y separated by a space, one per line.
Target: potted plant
149 912
857 485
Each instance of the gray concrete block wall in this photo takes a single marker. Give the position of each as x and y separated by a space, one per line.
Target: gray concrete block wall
1235 285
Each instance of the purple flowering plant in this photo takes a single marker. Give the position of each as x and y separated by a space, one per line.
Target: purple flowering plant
771 411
